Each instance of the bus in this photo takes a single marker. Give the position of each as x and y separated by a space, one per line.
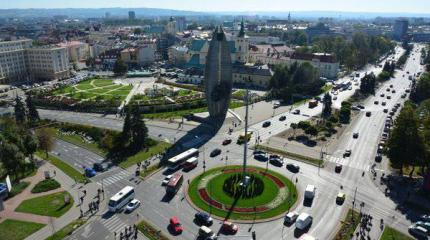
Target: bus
174 183
190 164
176 161
120 199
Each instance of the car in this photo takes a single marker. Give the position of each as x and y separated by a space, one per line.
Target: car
423 224
175 225
403 95
387 89
266 124
391 86
335 98
380 149
277 162
388 97
229 227
215 152
378 158
203 218
382 95
133 204
226 142
293 167
376 102
260 157
166 180
291 217
383 103
394 91
355 135
206 233
347 153
282 118
338 168
303 221
340 198
100 167
360 106
368 114
296 112
355 108
418 231
425 218
89 172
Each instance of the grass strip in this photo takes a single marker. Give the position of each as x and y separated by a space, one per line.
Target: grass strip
16 230
392 234
348 226
151 232
67 230
145 154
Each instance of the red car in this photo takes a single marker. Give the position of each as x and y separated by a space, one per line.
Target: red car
230 227
176 225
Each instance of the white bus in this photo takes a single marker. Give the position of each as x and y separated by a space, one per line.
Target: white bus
120 199
177 160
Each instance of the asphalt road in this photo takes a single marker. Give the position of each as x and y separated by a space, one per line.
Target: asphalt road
326 213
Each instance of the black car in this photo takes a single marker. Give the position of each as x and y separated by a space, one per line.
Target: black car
215 152
260 157
378 158
338 168
368 114
203 218
360 106
355 135
296 112
282 118
293 167
347 153
226 142
266 124
100 167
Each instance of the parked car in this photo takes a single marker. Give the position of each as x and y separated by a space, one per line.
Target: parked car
229 227
368 114
355 135
376 102
296 112
133 204
291 217
266 124
338 168
385 110
418 231
293 167
347 153
382 95
215 152
423 224
282 118
203 218
360 106
388 97
383 103
175 225
425 218
226 142
277 162
260 157
378 158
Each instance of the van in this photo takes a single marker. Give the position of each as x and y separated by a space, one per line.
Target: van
303 221
206 233
310 191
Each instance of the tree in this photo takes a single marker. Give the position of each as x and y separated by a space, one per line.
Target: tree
30 144
368 83
126 128
138 129
120 68
11 158
345 112
45 136
33 114
20 113
294 127
405 145
312 130
421 90
327 102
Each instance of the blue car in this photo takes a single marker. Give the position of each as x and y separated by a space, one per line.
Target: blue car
89 172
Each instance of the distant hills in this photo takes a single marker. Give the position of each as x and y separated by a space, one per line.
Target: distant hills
153 12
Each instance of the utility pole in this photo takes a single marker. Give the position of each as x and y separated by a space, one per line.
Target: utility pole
353 204
245 146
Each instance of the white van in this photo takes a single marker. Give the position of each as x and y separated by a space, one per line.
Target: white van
310 191
206 233
303 221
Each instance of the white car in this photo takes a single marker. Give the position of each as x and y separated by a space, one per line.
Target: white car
133 204
303 221
166 180
291 217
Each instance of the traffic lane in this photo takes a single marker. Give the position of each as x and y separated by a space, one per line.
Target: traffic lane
75 156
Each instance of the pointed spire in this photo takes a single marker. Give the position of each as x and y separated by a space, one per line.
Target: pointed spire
242 29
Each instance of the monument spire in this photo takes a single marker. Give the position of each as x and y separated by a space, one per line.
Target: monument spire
242 29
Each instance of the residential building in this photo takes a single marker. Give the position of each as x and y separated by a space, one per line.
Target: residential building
77 51
21 62
146 53
252 76
400 29
171 26
178 55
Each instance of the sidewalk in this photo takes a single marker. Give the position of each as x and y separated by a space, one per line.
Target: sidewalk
75 190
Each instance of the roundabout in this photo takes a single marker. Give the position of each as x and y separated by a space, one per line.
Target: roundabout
222 192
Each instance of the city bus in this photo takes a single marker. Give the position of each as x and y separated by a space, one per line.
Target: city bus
176 161
120 199
174 183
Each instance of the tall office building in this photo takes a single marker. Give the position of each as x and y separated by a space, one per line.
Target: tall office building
181 24
131 16
218 74
400 29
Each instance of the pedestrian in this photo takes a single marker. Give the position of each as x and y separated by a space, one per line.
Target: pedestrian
135 235
82 213
85 192
55 173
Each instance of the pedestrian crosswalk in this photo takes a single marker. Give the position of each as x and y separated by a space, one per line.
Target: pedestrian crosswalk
122 174
114 224
346 162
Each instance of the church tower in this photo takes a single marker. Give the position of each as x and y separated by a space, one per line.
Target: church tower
242 45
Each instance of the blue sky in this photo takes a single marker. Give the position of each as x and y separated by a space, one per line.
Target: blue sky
412 6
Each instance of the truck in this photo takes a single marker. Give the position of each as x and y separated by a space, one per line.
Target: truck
310 191
313 103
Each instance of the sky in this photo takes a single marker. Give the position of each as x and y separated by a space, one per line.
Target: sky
404 6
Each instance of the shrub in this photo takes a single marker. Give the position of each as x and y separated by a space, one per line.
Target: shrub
46 185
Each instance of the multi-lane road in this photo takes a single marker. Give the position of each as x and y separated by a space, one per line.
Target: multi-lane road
326 213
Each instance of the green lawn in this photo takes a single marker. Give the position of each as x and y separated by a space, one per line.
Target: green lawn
67 230
66 168
18 188
281 208
348 225
17 230
50 205
215 190
77 140
392 234
143 155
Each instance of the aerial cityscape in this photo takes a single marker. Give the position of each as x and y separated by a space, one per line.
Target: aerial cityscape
165 120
